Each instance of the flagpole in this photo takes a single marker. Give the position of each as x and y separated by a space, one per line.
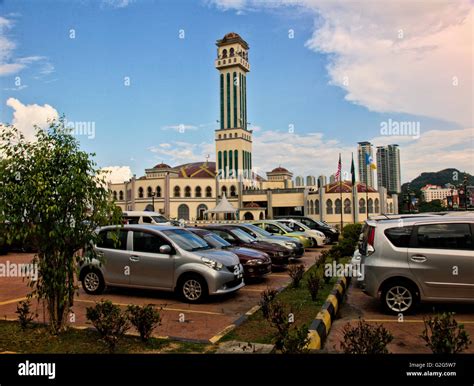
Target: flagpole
340 193
354 186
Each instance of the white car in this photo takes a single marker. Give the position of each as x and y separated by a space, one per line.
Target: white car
318 238
145 217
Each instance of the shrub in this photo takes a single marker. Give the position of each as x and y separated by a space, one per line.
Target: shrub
288 340
109 320
352 232
443 334
313 284
265 300
322 258
295 341
365 339
296 273
278 318
145 319
25 316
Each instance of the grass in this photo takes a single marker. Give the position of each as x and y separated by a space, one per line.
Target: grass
296 300
38 339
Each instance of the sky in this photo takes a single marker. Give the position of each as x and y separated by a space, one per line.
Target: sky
136 79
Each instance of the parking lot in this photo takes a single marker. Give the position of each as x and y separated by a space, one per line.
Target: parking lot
197 322
405 333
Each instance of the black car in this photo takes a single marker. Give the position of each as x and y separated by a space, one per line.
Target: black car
331 233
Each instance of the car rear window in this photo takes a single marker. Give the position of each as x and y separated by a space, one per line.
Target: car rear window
399 236
445 236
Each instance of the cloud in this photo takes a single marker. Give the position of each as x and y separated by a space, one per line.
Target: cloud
180 128
25 117
118 174
178 152
9 63
18 88
409 57
314 154
117 3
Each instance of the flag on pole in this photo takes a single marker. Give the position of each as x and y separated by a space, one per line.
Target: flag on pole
338 173
353 171
369 161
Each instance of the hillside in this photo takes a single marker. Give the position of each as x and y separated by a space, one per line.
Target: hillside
437 178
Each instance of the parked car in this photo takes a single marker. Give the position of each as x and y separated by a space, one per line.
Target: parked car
161 257
329 231
280 229
145 217
294 245
318 238
422 259
256 263
237 237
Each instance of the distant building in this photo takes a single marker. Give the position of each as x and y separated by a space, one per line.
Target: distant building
388 168
299 181
436 192
332 178
310 181
366 172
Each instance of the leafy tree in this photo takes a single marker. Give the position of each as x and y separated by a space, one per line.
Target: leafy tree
53 196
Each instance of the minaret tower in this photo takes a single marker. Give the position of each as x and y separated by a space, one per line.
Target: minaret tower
233 139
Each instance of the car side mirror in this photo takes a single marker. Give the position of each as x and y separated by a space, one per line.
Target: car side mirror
165 250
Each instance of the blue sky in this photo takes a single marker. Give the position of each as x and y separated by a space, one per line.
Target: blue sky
173 82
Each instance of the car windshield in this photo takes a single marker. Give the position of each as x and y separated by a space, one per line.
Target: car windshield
216 241
159 218
187 240
258 230
299 225
242 236
285 227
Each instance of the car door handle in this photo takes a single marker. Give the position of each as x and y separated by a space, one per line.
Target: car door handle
134 258
418 258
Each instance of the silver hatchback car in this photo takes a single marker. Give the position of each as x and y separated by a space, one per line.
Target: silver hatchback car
161 257
419 259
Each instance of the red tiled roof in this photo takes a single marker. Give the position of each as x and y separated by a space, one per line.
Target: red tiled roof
347 187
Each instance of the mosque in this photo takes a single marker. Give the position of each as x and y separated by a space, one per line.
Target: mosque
193 190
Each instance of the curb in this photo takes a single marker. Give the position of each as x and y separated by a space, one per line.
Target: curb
321 325
216 338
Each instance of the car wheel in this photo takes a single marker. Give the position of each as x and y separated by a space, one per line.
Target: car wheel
399 297
193 288
93 282
315 243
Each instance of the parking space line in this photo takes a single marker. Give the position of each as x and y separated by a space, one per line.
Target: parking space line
164 309
278 275
409 321
12 301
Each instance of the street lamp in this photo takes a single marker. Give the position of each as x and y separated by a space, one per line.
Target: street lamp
152 194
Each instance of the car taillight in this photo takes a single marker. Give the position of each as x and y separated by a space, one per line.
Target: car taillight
371 236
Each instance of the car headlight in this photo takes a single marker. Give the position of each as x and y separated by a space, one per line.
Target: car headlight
320 234
281 254
254 262
290 245
212 263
